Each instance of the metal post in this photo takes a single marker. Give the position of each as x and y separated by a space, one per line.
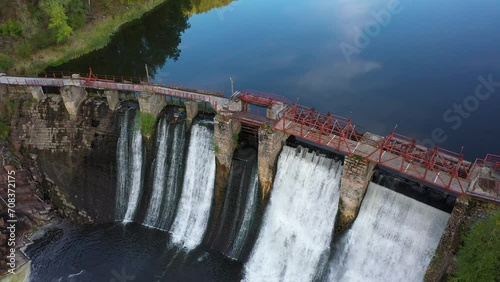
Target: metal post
147 72
232 86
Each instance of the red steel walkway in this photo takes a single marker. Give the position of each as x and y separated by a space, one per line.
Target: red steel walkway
435 166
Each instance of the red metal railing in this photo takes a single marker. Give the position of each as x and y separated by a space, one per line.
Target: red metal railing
254 119
491 161
437 160
446 168
95 77
110 82
325 129
262 98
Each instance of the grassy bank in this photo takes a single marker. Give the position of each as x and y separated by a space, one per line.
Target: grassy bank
92 35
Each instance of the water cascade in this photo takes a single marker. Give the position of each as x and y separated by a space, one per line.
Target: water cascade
129 159
240 202
160 163
248 216
195 201
122 170
298 224
174 177
392 239
135 172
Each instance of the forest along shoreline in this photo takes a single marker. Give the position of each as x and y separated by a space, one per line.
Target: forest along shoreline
38 34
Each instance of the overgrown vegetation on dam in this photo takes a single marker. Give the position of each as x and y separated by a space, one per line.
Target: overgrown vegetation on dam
479 258
147 123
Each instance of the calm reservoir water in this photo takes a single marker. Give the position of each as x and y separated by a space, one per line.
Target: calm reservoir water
416 65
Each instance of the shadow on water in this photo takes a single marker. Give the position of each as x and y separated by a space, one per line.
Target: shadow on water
153 40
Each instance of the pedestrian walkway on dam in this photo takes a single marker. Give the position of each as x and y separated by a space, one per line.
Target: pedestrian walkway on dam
435 167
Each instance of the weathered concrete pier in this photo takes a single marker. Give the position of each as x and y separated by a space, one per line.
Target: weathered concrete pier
436 167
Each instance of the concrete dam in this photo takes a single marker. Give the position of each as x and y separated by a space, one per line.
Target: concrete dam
233 179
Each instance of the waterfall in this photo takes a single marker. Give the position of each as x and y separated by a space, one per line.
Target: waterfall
250 208
122 168
239 204
134 172
298 224
392 239
193 210
153 212
174 177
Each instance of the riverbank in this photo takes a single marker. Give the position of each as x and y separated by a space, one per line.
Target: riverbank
94 35
22 210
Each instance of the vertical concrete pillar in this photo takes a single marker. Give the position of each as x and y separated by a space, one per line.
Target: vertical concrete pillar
37 93
270 145
356 176
151 103
113 98
275 109
226 131
73 96
449 243
191 111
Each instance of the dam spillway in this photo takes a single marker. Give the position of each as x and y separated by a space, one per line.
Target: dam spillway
299 221
392 239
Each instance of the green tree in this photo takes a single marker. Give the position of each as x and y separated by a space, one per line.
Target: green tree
75 10
10 28
479 258
58 20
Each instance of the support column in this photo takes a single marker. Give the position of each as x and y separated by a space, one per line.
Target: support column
73 96
151 103
270 145
37 93
113 99
226 131
356 176
191 111
274 111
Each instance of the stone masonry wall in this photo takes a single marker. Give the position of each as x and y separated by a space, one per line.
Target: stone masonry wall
356 176
466 212
152 103
270 145
191 111
77 156
225 130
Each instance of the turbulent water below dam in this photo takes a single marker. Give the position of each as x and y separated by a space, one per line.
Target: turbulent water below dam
163 218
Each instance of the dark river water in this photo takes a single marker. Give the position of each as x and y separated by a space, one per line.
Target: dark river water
414 64
122 253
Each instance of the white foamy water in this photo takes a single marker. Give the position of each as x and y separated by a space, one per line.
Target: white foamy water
122 169
392 239
298 224
197 192
135 173
153 211
174 171
250 207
